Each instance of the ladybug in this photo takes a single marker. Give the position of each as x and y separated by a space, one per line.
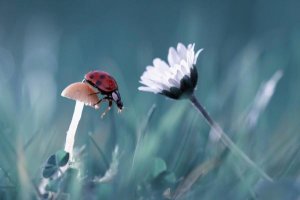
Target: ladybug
106 85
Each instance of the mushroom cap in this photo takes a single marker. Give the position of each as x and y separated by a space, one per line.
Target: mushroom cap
80 91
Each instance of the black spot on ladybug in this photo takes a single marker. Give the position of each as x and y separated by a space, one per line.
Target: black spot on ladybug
102 76
91 76
98 83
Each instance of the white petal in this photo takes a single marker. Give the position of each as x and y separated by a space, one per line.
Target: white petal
174 82
173 57
153 86
181 50
191 47
147 89
196 56
185 71
179 72
155 75
161 65
190 58
184 67
178 77
149 67
162 76
170 75
155 81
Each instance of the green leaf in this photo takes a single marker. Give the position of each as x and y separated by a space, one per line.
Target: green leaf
171 177
158 167
62 157
54 162
49 171
50 168
51 160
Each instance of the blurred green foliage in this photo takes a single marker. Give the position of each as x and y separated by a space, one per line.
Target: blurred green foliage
46 45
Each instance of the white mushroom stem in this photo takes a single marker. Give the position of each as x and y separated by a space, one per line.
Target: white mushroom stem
70 139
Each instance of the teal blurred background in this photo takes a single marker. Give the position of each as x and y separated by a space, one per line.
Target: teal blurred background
46 45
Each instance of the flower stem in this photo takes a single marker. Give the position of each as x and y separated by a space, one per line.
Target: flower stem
225 139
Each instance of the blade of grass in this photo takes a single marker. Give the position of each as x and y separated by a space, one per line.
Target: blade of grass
195 174
262 98
30 140
182 145
45 153
293 162
25 181
7 142
142 131
112 170
106 163
7 176
226 140
245 182
9 155
112 137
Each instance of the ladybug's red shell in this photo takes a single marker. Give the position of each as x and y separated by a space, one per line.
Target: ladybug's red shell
102 81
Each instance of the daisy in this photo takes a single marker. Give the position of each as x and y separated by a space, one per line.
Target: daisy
175 79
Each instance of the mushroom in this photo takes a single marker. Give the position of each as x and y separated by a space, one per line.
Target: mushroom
83 94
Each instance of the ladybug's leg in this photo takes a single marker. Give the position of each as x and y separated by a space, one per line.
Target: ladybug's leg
108 108
95 93
98 102
105 98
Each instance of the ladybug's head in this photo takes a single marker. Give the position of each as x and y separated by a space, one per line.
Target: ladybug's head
117 98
